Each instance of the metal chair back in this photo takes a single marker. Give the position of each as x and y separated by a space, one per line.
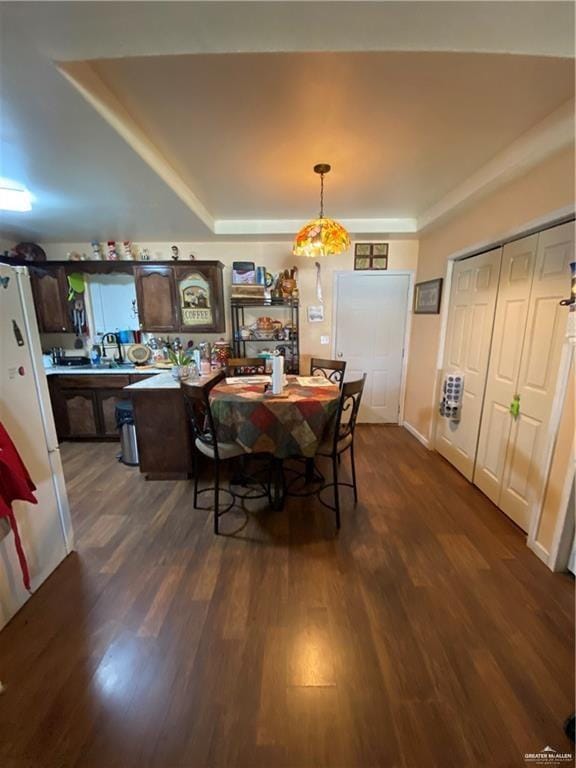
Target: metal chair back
197 399
348 407
245 366
333 370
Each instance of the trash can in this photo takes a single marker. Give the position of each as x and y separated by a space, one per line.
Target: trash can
125 423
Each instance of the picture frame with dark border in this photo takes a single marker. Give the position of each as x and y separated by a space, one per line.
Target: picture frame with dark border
427 297
370 256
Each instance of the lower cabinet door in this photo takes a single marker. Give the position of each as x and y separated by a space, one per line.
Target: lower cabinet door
81 414
107 406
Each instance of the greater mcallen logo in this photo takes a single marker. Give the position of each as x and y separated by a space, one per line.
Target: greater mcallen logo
548 756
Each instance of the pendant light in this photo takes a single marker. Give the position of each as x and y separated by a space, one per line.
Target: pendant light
321 237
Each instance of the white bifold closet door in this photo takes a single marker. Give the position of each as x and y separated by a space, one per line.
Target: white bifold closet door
468 338
510 325
529 331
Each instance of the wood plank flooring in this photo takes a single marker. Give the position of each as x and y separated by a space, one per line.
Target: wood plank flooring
425 634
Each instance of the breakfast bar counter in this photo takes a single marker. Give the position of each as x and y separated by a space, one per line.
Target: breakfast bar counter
162 428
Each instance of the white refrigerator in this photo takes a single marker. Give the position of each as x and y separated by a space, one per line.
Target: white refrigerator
25 411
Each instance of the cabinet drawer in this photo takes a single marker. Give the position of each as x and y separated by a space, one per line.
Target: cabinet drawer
94 381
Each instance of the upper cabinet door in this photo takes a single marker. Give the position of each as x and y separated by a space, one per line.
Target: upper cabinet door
200 296
49 288
155 293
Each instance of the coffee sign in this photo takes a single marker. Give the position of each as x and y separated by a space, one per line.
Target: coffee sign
195 300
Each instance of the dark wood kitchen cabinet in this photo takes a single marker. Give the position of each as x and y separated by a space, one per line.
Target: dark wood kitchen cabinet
84 405
187 297
156 296
50 291
182 297
200 294
80 415
106 407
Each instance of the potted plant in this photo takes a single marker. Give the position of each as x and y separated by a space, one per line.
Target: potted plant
181 364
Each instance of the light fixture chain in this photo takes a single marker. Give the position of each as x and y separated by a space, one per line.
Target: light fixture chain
321 195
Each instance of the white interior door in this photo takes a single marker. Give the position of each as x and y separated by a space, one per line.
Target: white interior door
370 329
468 338
523 478
518 260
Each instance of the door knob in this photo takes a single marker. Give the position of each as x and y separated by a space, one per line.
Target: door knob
339 354
515 406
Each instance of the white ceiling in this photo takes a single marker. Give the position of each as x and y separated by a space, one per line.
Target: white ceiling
400 129
242 130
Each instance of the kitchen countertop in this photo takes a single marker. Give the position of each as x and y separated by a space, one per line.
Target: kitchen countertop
162 381
165 381
125 369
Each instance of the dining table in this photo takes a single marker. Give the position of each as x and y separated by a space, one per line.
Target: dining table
291 424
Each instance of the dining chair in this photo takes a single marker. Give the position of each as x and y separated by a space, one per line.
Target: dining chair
333 370
245 366
342 440
197 399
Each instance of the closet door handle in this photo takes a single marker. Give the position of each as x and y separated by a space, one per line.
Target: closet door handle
515 406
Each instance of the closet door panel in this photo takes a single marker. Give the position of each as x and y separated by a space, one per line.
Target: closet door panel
518 260
469 331
524 478
497 419
524 437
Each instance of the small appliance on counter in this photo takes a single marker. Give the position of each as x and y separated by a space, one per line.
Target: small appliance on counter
72 360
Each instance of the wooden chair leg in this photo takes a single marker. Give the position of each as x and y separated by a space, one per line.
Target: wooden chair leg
195 470
269 482
336 490
353 463
216 494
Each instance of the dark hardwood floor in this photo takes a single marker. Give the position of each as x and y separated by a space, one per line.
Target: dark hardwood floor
425 634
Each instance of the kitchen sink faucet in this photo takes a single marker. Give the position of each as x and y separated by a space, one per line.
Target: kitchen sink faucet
115 339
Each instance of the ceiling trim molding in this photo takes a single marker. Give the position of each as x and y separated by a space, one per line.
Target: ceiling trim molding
73 31
291 226
550 135
83 77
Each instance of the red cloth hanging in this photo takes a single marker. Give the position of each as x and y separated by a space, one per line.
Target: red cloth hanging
15 485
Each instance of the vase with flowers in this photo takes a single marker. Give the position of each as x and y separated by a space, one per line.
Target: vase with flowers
182 365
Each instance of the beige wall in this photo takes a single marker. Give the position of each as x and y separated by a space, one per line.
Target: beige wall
548 187
403 254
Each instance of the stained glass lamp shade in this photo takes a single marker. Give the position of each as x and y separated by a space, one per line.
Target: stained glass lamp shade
321 237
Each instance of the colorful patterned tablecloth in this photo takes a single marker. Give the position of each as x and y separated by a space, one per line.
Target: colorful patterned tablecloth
293 424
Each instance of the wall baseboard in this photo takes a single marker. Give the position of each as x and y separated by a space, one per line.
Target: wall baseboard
539 551
414 432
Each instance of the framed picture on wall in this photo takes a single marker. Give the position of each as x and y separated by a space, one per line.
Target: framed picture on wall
427 297
371 256
316 314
